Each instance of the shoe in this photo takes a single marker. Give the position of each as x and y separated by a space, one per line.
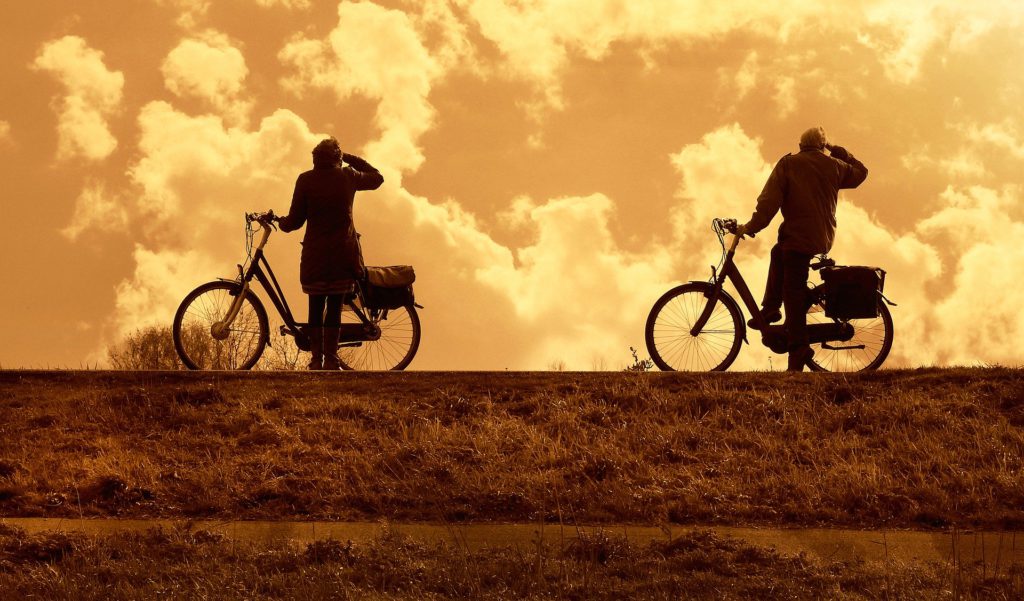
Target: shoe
331 360
799 358
770 316
316 348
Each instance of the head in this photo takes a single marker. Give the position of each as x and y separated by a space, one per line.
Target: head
327 153
814 139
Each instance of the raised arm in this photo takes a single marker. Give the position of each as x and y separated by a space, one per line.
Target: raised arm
366 175
297 213
855 172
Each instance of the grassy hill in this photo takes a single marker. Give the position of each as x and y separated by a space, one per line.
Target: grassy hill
925 448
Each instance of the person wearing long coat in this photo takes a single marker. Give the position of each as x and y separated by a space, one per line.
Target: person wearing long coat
331 261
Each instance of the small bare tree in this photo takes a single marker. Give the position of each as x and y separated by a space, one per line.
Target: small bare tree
147 348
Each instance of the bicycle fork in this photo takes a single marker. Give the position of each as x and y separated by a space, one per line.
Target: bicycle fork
222 329
709 308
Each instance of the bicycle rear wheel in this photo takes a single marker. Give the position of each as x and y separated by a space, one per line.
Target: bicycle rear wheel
394 350
674 348
207 305
867 350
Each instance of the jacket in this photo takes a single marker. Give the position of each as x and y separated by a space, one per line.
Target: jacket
331 260
805 187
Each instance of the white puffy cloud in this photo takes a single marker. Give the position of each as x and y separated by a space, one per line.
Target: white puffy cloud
161 279
92 94
190 12
211 69
903 33
575 290
377 53
96 209
977 316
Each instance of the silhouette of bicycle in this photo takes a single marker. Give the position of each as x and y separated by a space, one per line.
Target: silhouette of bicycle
698 326
223 324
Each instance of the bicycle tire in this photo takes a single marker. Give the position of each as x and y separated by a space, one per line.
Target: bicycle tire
193 339
824 358
387 353
670 320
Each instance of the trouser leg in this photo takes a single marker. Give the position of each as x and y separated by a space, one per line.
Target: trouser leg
795 268
776 276
316 331
332 327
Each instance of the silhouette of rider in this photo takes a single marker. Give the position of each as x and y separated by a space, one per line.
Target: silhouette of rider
805 186
331 260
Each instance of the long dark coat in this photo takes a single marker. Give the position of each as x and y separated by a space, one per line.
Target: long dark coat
330 249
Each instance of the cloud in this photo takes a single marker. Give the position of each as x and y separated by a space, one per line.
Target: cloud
93 94
5 133
190 12
376 53
577 293
95 209
903 33
211 69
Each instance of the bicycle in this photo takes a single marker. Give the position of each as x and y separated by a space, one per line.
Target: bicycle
698 326
223 324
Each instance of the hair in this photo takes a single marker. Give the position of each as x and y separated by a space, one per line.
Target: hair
327 153
814 138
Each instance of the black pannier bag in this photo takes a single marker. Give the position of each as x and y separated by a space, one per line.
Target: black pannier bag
852 292
389 287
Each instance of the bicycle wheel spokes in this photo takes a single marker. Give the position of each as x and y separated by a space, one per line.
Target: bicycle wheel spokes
870 345
670 342
207 305
394 350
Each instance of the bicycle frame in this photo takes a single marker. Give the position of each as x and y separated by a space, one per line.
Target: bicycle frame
774 337
732 273
352 334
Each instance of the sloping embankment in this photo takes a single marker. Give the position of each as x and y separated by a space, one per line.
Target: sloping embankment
928 448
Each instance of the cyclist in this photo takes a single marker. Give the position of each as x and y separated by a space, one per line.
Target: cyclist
331 260
805 186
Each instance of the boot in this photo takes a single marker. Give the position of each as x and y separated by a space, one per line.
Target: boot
331 361
770 315
799 357
316 348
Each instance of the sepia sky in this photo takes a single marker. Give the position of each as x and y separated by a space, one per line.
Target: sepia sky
551 166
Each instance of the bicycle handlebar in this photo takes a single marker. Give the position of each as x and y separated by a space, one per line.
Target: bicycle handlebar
265 219
822 263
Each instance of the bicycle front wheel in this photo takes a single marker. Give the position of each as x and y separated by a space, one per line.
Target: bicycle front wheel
867 350
399 340
243 342
674 348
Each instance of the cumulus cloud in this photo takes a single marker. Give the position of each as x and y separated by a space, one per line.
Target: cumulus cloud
209 68
92 94
575 290
377 53
903 33
190 12
195 179
96 209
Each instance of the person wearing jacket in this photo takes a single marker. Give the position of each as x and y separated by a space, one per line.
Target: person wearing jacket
331 261
805 187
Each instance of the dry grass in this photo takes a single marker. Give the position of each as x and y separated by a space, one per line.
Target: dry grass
929 448
201 565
